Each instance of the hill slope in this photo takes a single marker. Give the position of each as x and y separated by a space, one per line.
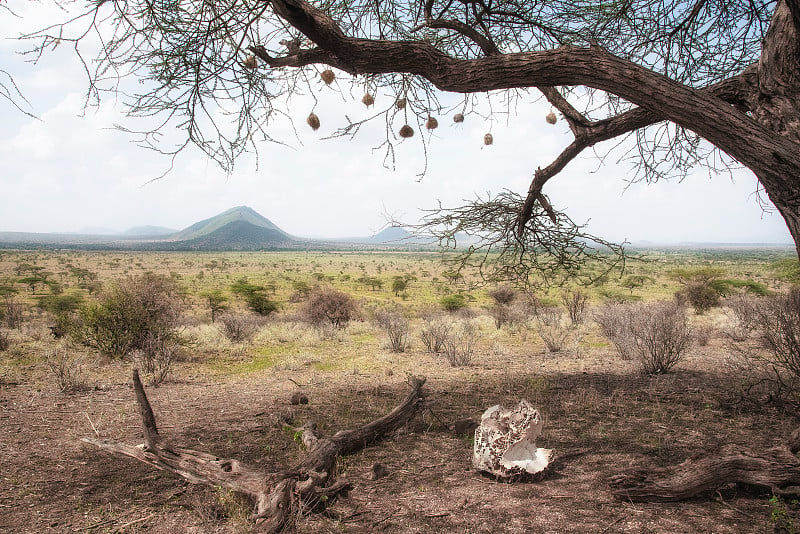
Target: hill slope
239 214
234 235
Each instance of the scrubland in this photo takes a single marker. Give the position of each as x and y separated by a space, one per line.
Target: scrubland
224 386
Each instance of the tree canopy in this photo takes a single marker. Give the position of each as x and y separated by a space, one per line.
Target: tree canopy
668 74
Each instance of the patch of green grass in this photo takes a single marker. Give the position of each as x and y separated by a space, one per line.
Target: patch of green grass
327 365
264 358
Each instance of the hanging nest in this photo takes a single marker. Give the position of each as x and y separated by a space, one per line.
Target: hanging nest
313 121
458 117
250 62
327 76
368 100
488 139
400 104
551 118
406 131
431 123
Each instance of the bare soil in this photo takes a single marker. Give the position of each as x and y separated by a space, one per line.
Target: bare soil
601 417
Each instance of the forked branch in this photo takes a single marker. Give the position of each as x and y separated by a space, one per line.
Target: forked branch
276 496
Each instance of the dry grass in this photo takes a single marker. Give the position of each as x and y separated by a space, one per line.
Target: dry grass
231 399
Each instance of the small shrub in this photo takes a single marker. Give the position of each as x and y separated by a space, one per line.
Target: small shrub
613 321
434 333
618 297
552 328
4 341
216 302
254 296
743 315
328 306
67 369
503 295
777 321
501 314
574 301
261 304
700 294
657 334
728 286
702 335
155 357
238 328
128 313
13 313
459 344
396 327
453 302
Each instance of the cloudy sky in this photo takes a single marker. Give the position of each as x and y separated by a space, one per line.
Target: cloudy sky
69 170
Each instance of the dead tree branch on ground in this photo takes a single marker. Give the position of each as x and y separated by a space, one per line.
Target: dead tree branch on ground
277 496
776 470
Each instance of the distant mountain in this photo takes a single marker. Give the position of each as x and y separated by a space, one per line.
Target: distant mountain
148 231
241 214
396 235
239 228
235 235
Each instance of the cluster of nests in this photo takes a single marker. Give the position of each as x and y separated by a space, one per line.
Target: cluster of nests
368 100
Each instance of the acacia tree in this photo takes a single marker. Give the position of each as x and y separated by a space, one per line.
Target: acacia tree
667 73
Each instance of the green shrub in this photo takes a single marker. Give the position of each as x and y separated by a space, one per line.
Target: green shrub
254 297
727 286
259 303
787 269
453 302
130 312
700 294
618 297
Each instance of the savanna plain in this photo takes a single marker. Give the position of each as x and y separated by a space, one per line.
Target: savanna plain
239 350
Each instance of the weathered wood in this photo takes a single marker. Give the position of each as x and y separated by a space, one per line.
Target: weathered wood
776 470
277 496
151 436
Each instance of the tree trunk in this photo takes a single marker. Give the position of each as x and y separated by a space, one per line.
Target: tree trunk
776 470
277 496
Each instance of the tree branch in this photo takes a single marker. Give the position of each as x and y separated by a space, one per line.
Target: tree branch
698 110
276 495
733 90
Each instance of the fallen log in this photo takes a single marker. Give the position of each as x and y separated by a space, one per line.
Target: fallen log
776 470
276 496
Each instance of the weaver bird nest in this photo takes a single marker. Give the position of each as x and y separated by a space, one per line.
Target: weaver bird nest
488 139
368 100
313 121
250 62
431 123
327 76
458 117
406 131
551 118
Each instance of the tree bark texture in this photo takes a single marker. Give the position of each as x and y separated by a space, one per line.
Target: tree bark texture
277 496
756 120
776 470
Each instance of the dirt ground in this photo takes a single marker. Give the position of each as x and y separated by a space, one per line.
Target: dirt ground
601 417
